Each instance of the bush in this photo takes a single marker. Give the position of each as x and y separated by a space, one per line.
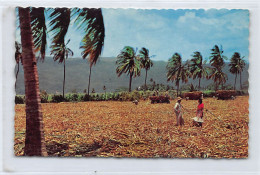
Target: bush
19 99
57 99
87 97
44 96
73 97
192 95
209 93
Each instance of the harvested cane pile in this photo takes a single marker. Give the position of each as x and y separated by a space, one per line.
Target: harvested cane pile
123 129
192 95
226 94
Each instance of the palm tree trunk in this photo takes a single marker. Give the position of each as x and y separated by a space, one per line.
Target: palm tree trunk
216 87
89 78
178 89
241 81
34 138
64 70
235 82
199 83
145 80
18 65
130 82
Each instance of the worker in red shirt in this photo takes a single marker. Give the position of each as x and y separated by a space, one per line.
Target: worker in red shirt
197 121
200 112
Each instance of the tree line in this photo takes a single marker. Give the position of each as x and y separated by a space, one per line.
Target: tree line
131 63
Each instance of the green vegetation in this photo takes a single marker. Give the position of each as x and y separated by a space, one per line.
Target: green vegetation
128 63
198 69
177 71
61 53
217 63
146 62
237 65
114 96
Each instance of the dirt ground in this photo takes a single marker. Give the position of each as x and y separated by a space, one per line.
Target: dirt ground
123 129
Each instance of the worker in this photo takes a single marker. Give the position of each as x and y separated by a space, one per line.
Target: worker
178 113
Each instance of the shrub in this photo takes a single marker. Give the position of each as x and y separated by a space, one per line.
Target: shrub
57 99
87 97
74 97
209 93
192 95
19 99
44 96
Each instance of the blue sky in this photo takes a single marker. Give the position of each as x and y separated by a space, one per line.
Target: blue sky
165 32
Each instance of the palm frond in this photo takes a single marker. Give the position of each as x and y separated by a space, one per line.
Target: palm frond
92 24
39 30
59 24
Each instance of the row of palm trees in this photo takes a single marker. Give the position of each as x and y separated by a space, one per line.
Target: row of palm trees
131 63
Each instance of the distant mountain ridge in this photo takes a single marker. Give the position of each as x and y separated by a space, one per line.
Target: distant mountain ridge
103 74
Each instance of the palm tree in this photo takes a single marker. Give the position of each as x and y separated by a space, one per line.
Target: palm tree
18 58
176 71
128 63
34 139
33 39
217 63
241 66
218 76
197 68
146 62
234 66
61 53
93 42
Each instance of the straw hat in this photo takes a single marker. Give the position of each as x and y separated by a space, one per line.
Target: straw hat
179 99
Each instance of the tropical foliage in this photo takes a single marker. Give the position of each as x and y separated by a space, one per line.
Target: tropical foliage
128 62
237 65
146 62
33 24
61 52
197 67
217 62
177 71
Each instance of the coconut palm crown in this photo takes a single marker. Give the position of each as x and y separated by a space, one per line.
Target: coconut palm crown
177 71
128 62
146 62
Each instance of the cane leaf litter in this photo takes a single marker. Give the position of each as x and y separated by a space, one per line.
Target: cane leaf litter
123 129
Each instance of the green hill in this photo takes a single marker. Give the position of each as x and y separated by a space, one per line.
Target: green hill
103 73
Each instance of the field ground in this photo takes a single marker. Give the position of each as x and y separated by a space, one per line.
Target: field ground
123 129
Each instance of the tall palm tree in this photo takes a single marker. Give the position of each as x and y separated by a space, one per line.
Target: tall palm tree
128 63
177 71
34 139
197 67
235 66
61 53
93 42
33 39
146 62
241 66
18 58
217 62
